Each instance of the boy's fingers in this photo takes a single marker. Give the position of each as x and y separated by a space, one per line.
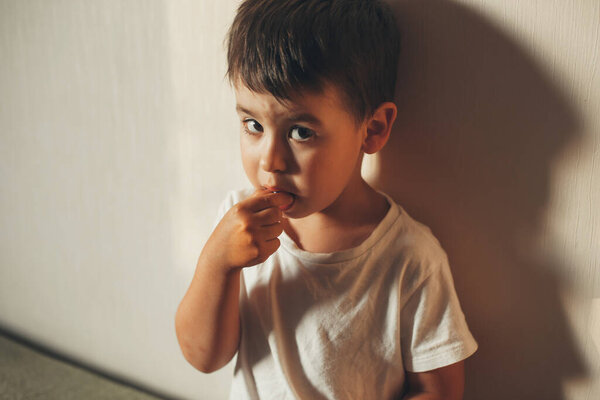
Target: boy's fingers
269 216
270 246
270 232
270 199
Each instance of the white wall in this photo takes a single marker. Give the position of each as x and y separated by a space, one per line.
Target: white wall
113 158
118 139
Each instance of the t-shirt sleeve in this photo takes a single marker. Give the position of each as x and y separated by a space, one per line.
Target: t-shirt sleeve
232 198
434 332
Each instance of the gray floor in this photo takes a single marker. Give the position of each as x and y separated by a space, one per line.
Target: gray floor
28 374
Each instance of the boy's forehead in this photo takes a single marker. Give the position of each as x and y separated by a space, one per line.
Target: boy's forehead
299 101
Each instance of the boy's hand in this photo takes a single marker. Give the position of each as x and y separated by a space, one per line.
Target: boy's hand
247 234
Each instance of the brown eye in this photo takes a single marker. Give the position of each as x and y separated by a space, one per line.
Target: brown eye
301 134
251 126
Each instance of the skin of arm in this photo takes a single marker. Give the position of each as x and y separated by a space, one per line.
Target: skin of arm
207 321
446 383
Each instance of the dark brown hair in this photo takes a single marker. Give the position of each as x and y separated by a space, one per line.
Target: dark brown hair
287 46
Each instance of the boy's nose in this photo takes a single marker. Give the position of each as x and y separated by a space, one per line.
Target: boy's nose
272 158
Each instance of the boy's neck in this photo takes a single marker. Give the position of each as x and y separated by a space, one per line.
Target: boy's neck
358 213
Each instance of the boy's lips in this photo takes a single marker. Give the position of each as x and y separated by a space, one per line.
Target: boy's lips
276 189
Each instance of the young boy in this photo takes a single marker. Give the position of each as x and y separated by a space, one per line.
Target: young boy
323 286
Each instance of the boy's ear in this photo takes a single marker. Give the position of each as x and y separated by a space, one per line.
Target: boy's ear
379 127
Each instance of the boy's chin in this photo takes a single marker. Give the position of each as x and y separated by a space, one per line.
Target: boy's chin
297 213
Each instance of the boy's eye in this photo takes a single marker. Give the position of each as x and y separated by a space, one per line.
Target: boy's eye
301 134
251 126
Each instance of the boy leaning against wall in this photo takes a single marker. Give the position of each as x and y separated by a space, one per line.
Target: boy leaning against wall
325 287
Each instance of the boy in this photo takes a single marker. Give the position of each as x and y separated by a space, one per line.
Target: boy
325 287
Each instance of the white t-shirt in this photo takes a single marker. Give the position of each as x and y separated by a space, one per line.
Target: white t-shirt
346 325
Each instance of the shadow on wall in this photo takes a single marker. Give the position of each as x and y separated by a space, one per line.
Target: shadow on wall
478 130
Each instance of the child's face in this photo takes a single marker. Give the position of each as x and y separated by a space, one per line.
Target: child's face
309 146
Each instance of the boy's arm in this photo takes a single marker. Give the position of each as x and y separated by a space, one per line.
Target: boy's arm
207 320
446 383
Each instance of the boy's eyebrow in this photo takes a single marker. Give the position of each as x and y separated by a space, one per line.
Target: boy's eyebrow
239 109
304 117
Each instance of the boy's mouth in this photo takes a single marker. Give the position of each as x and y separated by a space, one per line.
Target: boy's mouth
285 208
278 190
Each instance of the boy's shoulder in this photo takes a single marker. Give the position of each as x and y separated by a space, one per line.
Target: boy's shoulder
410 232
419 237
414 245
